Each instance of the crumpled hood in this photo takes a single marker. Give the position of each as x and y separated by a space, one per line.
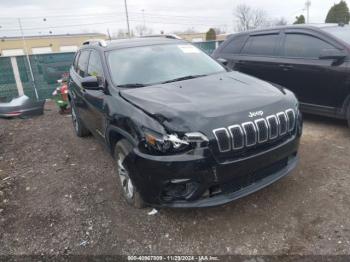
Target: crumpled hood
210 102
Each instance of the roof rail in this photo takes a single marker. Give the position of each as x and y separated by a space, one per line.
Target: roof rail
100 42
170 36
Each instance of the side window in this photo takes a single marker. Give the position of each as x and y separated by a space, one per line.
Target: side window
304 46
82 63
75 63
235 45
95 65
264 45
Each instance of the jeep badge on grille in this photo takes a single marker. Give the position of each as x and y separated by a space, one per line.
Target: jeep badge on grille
254 114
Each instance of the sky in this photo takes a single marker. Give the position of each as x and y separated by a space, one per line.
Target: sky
43 17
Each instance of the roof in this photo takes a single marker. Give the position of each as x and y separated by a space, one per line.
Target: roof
135 42
297 26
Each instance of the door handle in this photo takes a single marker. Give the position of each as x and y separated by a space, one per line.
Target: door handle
286 67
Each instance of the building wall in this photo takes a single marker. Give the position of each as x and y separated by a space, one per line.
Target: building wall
55 42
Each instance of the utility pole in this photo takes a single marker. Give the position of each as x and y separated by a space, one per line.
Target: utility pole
144 19
28 60
127 18
308 4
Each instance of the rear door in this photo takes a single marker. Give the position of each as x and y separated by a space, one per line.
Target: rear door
317 82
259 56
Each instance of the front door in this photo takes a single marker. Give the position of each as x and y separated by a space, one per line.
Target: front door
95 99
315 81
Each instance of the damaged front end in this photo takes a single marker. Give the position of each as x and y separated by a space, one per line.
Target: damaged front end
173 143
21 106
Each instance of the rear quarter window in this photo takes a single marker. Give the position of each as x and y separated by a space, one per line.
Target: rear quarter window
235 45
264 45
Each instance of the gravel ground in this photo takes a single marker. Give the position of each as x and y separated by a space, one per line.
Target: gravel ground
58 196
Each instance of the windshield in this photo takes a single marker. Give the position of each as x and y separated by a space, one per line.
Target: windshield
158 64
341 32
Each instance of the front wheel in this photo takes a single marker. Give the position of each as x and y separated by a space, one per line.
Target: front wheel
125 183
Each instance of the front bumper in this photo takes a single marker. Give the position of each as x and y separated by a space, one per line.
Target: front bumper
210 183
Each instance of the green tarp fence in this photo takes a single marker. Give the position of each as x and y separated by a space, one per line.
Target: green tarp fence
47 69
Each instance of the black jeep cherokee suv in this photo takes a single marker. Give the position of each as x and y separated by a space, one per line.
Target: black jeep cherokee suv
313 61
184 131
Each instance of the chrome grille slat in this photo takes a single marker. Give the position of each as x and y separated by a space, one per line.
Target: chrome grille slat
224 146
262 130
273 126
291 119
283 123
237 135
249 130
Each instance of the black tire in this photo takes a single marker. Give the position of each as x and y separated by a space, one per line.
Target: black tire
124 182
79 127
348 115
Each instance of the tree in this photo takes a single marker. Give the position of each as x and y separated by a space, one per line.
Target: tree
280 22
300 20
249 18
142 30
211 34
339 13
122 34
220 31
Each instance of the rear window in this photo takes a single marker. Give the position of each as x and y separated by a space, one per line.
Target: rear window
264 45
235 45
341 32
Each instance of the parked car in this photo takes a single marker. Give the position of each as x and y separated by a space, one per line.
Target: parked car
311 60
184 131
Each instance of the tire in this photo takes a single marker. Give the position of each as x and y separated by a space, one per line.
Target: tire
348 115
125 184
79 127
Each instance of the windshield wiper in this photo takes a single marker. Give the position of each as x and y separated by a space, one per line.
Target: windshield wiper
182 78
133 85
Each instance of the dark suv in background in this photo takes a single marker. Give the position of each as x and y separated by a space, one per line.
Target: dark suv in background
311 60
184 131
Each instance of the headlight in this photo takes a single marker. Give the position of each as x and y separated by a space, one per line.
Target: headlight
172 143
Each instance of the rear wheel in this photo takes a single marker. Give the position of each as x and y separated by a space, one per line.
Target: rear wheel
348 115
125 183
79 127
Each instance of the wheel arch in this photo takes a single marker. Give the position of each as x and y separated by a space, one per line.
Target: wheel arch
115 134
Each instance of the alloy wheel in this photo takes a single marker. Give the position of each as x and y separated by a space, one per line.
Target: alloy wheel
125 180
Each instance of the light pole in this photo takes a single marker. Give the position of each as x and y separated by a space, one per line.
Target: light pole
127 18
28 60
308 4
144 19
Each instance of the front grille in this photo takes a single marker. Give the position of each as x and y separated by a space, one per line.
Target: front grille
261 131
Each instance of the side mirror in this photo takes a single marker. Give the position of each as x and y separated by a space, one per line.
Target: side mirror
91 83
335 54
222 61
